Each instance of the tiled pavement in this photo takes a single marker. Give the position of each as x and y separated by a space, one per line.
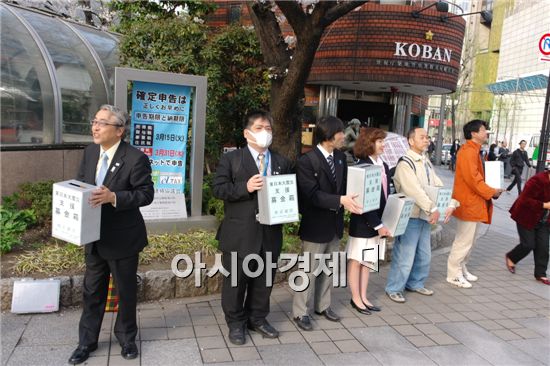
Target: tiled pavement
503 320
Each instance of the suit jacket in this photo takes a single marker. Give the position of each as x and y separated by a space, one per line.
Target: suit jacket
519 159
319 196
362 226
239 231
123 230
528 209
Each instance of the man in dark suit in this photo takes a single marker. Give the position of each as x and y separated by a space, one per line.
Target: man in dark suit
517 161
321 175
123 175
238 178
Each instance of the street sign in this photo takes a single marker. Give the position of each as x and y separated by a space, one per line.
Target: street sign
544 47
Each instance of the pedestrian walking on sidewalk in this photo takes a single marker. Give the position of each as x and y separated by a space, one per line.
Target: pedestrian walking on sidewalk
475 197
531 212
517 161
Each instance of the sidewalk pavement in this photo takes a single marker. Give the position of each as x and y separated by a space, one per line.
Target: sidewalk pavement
503 320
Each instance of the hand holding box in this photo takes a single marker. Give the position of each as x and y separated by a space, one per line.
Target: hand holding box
278 200
494 174
365 180
73 218
397 213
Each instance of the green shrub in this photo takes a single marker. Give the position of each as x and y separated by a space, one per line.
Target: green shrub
215 207
13 223
38 197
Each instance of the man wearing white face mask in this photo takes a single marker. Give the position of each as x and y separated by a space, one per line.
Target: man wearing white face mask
238 178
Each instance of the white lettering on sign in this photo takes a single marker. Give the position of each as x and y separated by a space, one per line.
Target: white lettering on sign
425 51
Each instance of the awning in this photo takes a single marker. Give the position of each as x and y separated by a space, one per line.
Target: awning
519 85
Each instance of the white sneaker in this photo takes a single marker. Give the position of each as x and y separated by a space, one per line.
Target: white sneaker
468 276
459 282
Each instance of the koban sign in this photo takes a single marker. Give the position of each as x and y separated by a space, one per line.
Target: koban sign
424 51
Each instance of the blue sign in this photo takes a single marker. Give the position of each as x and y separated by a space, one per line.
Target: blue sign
160 122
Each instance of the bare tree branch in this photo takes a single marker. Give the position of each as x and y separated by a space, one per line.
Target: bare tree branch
294 15
340 10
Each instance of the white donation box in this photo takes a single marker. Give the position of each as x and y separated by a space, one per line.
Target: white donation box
494 174
278 200
73 218
366 181
397 213
441 197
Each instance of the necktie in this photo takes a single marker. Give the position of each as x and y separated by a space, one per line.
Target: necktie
261 166
330 160
103 169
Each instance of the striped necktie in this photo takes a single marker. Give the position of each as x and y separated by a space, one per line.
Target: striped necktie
261 167
330 160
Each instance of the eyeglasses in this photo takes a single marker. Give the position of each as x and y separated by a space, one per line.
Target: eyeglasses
102 123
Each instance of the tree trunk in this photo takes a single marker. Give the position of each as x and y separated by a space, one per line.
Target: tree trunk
289 70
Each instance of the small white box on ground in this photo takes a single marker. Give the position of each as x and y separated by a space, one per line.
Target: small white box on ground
278 200
73 218
494 174
441 197
397 213
366 181
35 296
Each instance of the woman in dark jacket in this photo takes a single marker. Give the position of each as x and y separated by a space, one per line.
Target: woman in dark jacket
531 212
366 231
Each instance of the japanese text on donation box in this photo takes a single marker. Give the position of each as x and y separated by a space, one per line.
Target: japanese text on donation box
160 122
278 200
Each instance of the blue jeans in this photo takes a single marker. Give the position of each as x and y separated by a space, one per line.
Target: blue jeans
411 256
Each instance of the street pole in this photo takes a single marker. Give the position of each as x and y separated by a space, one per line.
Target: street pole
498 123
544 132
439 145
514 114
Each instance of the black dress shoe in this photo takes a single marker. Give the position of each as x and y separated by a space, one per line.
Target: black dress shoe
372 308
264 328
81 354
329 314
129 351
359 310
303 322
236 335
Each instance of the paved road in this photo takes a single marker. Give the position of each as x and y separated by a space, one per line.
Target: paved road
503 320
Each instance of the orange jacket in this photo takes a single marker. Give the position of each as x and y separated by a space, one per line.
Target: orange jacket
469 186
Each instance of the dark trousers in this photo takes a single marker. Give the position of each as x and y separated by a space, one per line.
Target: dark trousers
249 300
517 180
535 240
95 288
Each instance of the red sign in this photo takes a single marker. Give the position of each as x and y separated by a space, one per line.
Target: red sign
544 47
434 122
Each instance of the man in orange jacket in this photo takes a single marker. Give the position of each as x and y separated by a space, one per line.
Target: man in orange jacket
475 197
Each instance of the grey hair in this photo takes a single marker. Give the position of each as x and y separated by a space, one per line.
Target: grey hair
123 119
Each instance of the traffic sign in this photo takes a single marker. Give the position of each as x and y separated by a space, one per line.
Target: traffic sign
544 47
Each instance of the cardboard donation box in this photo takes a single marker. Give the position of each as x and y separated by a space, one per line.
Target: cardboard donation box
73 218
35 296
366 181
278 200
494 174
441 197
397 213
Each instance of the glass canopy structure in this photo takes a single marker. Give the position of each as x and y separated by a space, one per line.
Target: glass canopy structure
55 75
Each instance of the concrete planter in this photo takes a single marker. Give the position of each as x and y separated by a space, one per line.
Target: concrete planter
157 285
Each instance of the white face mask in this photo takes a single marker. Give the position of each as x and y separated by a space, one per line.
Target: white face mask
263 138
